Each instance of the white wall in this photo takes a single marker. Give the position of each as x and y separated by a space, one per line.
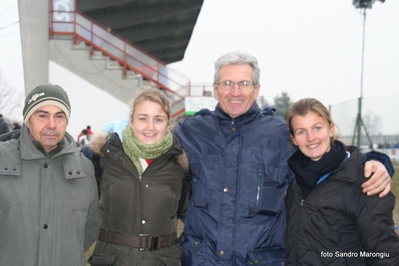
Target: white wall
89 105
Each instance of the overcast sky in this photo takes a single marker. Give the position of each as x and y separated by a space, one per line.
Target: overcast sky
309 48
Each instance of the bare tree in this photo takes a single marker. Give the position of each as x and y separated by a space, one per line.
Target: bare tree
372 123
10 97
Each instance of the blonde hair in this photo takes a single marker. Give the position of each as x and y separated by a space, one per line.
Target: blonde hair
153 94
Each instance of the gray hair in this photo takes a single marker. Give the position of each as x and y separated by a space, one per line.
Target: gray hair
237 58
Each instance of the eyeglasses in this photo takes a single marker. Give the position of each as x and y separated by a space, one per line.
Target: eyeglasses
229 85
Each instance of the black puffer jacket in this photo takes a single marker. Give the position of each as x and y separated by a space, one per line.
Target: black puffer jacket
337 224
134 206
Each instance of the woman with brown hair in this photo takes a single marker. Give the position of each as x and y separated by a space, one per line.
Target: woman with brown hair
330 220
141 173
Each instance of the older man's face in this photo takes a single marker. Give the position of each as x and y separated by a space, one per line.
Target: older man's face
236 101
48 126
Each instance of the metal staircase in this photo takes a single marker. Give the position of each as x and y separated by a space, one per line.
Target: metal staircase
119 55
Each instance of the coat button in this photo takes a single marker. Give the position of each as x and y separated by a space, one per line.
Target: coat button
221 253
45 165
143 221
226 189
45 226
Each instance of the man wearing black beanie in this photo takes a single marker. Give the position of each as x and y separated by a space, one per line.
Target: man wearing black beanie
48 194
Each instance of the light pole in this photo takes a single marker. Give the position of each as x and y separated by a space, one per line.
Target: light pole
364 5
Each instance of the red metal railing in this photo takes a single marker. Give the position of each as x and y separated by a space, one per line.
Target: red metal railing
64 22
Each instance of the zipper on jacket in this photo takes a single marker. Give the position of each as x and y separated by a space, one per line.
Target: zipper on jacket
296 237
234 233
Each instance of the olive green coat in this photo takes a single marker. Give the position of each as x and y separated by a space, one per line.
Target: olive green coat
134 205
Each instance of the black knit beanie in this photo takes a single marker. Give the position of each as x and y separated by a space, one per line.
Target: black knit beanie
46 94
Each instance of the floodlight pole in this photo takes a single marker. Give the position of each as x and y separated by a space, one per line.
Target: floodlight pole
359 120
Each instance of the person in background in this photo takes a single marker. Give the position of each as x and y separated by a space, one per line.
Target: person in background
85 139
238 161
88 131
16 130
141 179
4 128
49 209
16 125
326 193
14 134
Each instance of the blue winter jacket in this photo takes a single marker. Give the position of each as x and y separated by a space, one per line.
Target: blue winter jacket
240 174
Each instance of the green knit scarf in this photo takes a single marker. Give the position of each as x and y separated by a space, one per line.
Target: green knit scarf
135 149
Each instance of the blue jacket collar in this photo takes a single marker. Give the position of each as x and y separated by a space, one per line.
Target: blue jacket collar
250 115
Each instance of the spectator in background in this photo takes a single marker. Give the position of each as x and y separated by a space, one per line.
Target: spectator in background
4 128
89 133
14 134
85 138
49 208
16 125
16 130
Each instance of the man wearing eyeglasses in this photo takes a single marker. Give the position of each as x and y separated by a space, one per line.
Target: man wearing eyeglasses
238 162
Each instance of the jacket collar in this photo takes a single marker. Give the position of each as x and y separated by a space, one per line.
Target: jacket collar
29 151
71 161
250 115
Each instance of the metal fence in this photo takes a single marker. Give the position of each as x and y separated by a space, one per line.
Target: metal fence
380 117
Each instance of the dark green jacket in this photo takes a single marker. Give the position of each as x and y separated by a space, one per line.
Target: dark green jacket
133 205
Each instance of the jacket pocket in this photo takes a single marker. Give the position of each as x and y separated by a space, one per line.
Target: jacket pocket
80 216
96 260
268 190
193 250
8 220
199 196
271 256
